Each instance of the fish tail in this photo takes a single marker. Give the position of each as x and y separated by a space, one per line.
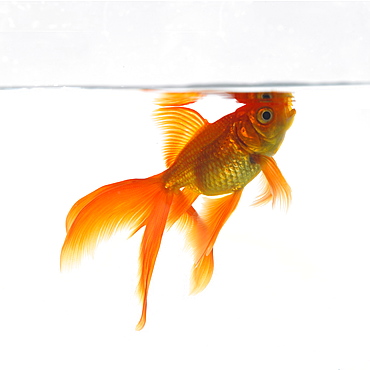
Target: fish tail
129 204
98 215
155 225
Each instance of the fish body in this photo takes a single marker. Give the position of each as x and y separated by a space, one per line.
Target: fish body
203 158
214 162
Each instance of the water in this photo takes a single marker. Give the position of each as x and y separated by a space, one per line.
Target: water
295 284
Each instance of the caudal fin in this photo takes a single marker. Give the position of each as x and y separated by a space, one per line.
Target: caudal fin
150 244
134 204
98 215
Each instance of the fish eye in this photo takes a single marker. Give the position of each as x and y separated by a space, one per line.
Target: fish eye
264 115
266 96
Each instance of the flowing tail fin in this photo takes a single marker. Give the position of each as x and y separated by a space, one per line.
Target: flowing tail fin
98 215
133 204
150 244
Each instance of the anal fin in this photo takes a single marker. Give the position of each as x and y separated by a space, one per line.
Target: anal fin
216 212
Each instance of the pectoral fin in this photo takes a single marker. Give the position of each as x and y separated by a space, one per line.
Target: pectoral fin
275 187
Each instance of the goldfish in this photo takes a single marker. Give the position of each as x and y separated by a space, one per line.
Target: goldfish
216 160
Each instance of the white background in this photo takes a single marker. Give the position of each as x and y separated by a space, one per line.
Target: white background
128 43
290 291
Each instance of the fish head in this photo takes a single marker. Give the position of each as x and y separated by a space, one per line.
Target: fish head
265 119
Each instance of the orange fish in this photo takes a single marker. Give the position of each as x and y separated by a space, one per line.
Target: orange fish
202 158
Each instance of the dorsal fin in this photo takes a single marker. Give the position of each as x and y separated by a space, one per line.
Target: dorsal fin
179 125
178 98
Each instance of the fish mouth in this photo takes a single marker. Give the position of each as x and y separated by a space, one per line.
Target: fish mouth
291 110
290 118
289 101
